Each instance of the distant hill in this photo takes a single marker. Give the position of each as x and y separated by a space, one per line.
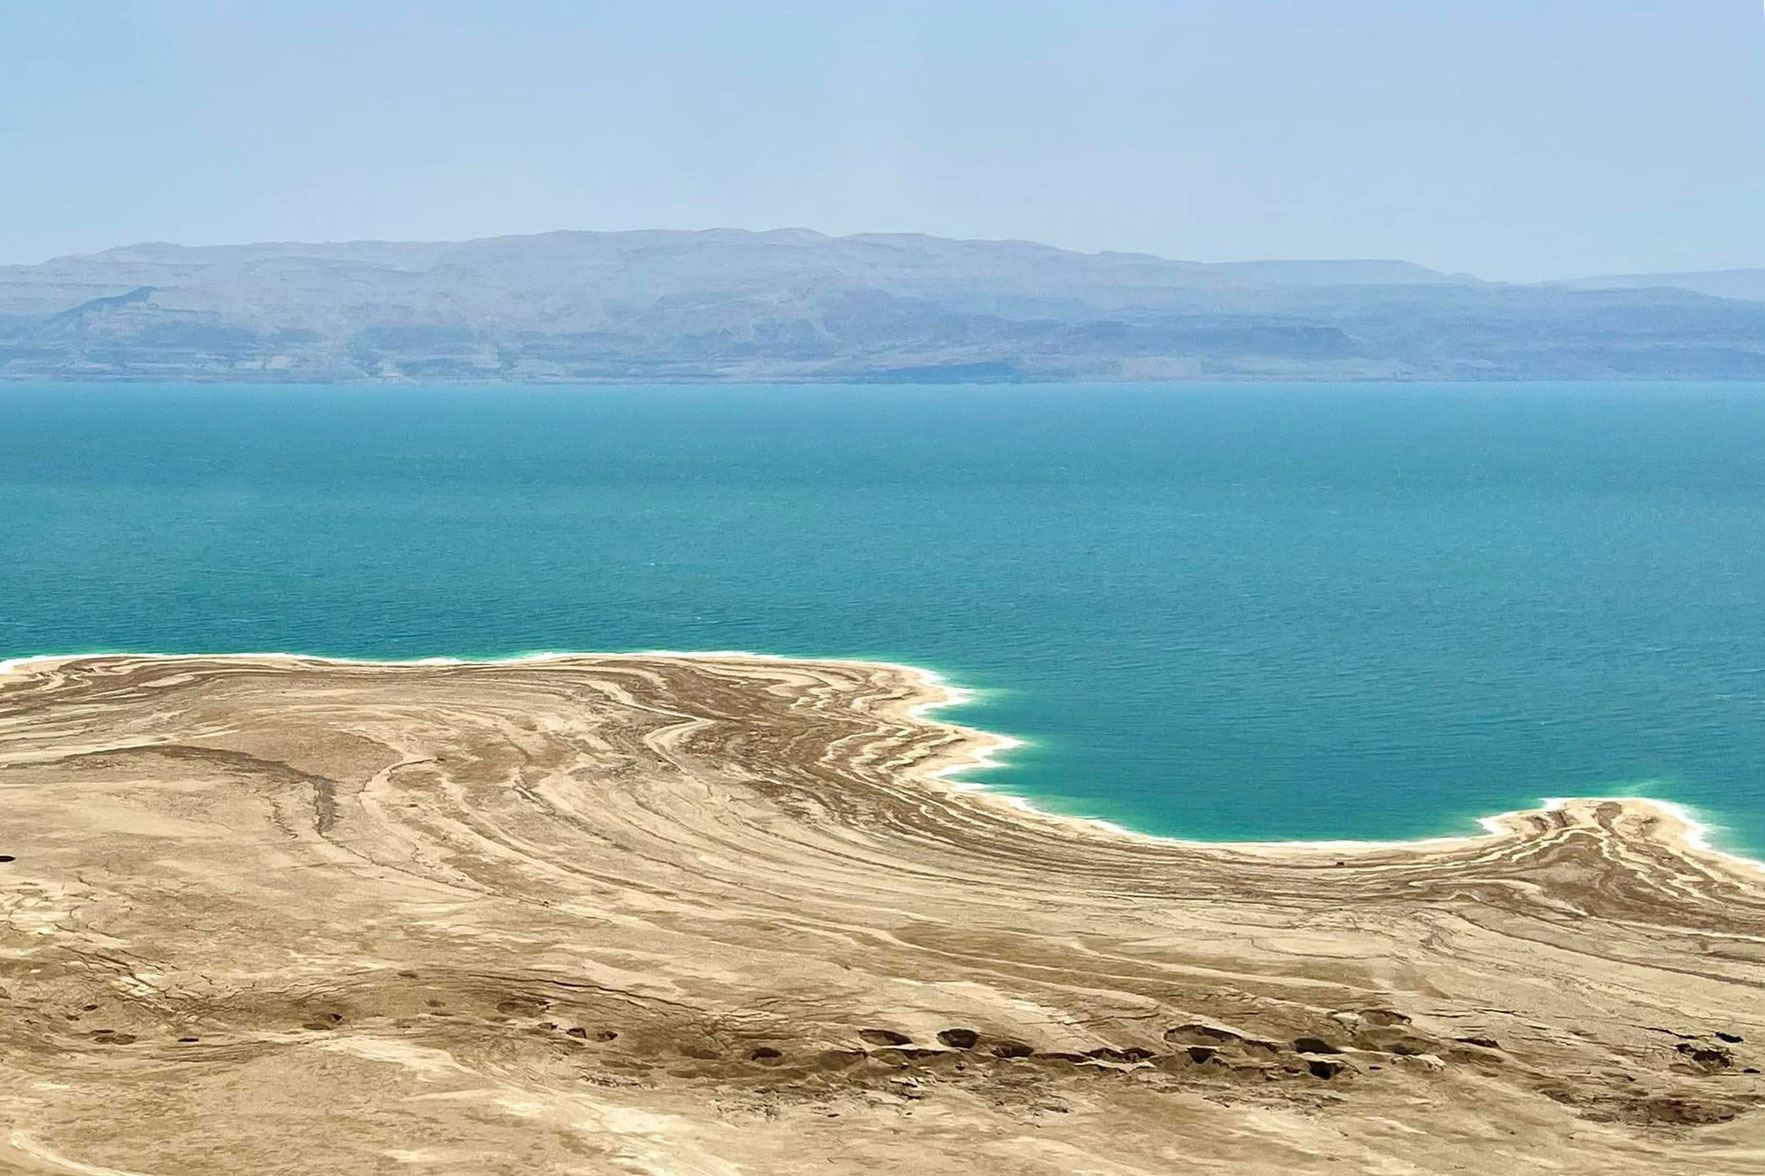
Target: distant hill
1746 284
797 305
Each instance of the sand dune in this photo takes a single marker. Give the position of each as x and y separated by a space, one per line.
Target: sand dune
665 914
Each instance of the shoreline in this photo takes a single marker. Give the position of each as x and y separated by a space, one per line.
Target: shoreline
658 912
1693 831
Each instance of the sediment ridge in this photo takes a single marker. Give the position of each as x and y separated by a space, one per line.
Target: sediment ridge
724 914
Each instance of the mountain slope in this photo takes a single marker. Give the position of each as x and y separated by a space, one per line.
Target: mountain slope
1745 284
797 305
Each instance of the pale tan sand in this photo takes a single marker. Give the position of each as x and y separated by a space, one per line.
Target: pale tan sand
719 915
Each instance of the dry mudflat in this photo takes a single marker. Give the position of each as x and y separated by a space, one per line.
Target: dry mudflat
719 915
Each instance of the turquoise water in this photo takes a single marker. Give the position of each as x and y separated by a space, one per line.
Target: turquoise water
1309 611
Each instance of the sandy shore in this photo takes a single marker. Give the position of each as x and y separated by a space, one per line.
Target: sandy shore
719 914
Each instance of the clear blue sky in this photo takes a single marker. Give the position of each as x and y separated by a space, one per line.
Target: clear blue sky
1511 138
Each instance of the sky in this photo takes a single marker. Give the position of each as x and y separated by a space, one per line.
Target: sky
1514 139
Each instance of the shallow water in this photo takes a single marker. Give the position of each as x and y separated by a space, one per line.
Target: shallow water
1225 612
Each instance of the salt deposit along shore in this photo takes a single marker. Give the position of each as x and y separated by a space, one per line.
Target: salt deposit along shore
723 914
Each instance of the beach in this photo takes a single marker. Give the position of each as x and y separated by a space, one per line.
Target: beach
670 913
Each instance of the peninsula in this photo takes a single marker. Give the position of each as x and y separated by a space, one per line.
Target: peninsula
719 914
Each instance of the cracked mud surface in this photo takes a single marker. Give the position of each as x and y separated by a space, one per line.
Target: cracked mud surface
713 915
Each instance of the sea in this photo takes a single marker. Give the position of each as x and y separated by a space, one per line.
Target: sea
1243 611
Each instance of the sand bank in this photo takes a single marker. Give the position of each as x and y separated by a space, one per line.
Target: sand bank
663 913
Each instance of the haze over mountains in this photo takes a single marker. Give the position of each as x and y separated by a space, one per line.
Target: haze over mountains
797 305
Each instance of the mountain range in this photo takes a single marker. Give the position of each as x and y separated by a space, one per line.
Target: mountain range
796 305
